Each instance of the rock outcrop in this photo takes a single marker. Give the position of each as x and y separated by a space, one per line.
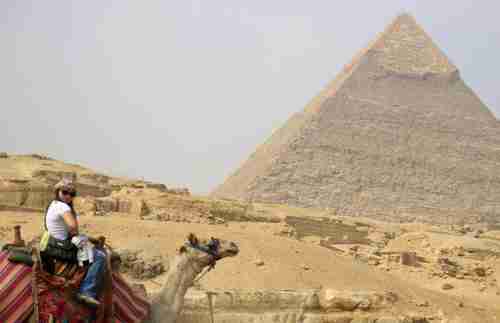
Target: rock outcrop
26 181
141 266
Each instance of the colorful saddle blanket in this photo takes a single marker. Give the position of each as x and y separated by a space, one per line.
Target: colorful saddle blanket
16 299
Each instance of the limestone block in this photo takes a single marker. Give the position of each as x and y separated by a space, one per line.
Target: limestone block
388 320
158 186
106 204
53 176
140 208
312 302
313 319
332 300
93 177
38 198
124 205
92 190
363 320
249 300
85 205
336 319
289 316
448 267
25 195
179 191
140 265
40 157
394 258
409 258
12 197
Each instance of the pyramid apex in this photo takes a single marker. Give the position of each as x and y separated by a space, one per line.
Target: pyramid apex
405 47
405 16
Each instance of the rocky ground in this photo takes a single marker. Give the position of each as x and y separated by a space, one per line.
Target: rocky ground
360 270
455 275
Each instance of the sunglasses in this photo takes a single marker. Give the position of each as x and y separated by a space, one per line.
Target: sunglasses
70 193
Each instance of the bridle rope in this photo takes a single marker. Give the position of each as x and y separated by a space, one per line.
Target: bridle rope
212 249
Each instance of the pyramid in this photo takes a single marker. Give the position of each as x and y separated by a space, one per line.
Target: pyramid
397 135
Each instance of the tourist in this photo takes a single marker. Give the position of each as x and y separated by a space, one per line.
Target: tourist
61 226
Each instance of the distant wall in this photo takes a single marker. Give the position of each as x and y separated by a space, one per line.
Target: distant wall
38 196
26 196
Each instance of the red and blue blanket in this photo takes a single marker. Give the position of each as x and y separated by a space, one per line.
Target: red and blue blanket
16 299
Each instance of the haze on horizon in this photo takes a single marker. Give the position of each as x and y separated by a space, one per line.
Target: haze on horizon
182 92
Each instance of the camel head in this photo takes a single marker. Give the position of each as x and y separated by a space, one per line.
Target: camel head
207 252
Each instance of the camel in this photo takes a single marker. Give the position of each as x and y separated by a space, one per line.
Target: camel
184 269
192 258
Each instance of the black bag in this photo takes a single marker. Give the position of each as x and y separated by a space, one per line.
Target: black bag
62 250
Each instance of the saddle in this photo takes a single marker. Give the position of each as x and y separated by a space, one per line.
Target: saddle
28 293
53 292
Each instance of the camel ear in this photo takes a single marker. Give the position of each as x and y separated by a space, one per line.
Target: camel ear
193 240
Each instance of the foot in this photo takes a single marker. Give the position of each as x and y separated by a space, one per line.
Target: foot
89 300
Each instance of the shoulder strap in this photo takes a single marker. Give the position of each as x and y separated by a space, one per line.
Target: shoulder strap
45 216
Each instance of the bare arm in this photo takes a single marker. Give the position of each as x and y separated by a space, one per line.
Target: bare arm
71 222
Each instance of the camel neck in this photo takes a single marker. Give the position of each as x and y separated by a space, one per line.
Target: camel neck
181 275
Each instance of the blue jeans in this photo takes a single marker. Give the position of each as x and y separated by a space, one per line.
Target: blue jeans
91 284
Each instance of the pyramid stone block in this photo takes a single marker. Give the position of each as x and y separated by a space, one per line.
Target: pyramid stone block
396 136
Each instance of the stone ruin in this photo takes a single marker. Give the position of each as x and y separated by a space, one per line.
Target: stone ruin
302 306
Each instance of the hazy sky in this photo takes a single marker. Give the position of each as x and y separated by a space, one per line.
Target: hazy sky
182 92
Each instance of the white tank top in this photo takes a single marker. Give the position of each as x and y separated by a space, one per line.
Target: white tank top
55 221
